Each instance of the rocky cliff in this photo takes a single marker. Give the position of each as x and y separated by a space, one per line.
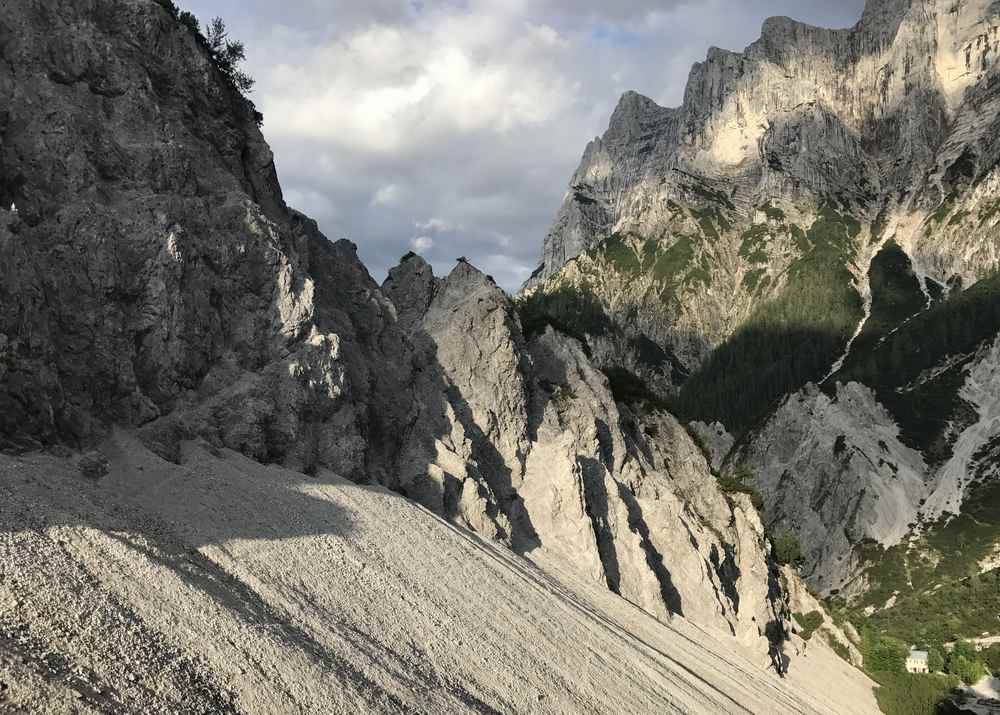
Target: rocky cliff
682 222
537 451
813 236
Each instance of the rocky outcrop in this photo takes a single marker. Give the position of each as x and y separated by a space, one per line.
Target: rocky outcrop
836 470
833 469
802 603
714 440
539 452
153 276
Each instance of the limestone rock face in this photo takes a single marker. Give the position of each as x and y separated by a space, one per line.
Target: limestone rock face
153 276
714 440
539 452
835 468
682 221
703 226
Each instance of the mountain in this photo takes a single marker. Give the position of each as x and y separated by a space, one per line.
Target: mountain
268 483
800 262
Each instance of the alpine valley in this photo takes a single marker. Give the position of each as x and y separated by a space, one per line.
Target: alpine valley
732 449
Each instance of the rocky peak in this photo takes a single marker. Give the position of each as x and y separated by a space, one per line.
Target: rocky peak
411 286
635 121
799 91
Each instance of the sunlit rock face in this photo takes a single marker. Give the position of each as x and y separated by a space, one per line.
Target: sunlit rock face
756 214
533 449
874 119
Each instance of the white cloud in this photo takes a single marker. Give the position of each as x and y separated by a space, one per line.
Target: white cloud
456 124
422 243
386 195
392 90
436 225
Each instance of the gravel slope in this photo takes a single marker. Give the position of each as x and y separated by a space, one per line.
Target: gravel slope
221 585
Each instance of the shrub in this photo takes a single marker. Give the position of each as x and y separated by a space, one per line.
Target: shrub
573 311
968 670
188 20
991 656
226 54
883 654
935 661
787 340
912 694
787 549
839 648
808 622
742 480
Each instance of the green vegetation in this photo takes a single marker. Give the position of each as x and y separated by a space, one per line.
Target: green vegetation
911 694
773 212
991 657
965 663
741 480
953 327
711 195
882 653
928 618
226 54
787 549
753 243
752 280
574 311
935 661
937 599
668 265
786 341
900 692
710 220
672 267
620 255
839 648
808 622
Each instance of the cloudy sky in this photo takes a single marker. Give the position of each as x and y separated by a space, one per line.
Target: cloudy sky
451 127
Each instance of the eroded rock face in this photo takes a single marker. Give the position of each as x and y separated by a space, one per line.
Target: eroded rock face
540 453
687 226
833 467
153 276
890 121
150 226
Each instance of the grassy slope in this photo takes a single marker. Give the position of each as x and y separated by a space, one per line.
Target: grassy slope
786 341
